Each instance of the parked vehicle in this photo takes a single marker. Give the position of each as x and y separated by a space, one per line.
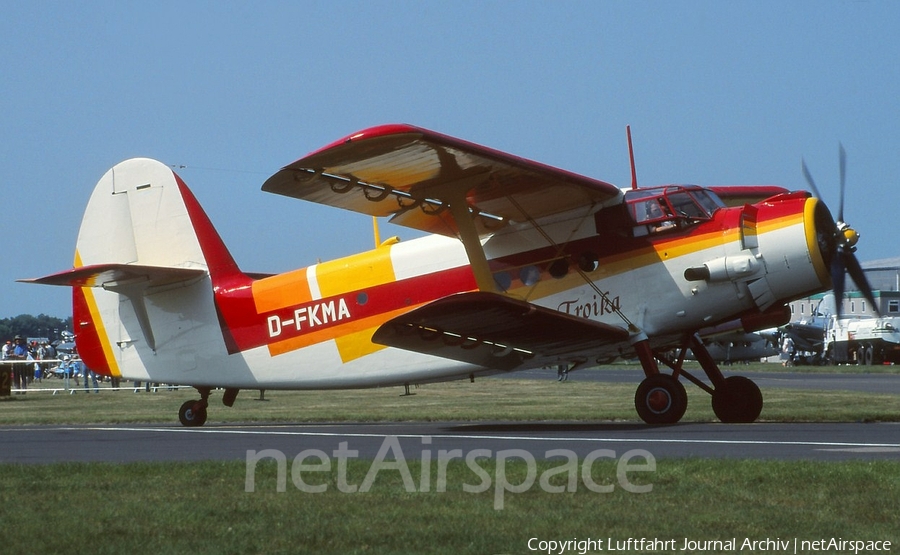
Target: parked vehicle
864 341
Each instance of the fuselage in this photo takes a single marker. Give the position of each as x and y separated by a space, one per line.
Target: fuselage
669 275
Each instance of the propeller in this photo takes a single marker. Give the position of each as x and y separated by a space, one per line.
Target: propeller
842 244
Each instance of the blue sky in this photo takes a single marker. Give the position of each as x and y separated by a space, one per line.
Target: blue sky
716 93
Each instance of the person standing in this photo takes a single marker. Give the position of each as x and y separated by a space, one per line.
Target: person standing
787 351
20 368
88 375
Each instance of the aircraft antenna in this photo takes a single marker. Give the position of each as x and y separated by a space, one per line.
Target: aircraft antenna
634 184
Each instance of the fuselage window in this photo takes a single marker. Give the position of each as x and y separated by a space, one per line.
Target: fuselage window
559 268
529 275
503 280
588 261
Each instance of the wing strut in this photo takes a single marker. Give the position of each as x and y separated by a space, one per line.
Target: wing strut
459 208
465 224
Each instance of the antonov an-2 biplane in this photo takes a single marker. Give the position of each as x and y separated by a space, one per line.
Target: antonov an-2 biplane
526 266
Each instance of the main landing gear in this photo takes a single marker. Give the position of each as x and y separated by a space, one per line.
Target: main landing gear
192 414
661 398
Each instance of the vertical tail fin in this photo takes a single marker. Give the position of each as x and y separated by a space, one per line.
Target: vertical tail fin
148 265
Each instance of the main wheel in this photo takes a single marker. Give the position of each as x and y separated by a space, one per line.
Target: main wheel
660 399
192 414
870 355
737 400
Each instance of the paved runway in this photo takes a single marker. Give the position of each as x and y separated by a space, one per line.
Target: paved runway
829 441
44 444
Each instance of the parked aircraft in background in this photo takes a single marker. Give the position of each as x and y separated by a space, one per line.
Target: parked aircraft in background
739 347
526 266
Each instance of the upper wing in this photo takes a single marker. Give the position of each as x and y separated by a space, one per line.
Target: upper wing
414 175
499 332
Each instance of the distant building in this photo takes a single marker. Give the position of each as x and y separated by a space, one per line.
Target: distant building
884 278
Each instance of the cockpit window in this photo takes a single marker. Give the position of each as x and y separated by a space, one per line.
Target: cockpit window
663 208
650 210
708 200
686 207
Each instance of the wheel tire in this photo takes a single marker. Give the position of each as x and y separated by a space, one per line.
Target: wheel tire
192 414
737 400
870 355
660 399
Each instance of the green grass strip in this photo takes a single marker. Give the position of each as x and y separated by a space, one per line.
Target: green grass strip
486 399
204 508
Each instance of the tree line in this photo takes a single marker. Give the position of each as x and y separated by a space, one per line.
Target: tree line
27 325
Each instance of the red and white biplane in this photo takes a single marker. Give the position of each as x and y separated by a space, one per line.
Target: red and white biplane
526 266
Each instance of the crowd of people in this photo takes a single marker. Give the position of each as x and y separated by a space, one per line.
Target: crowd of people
20 351
36 360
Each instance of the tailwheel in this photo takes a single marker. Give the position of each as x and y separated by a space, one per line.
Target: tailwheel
660 399
736 400
193 413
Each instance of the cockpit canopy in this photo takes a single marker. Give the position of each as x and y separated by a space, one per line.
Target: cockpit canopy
662 208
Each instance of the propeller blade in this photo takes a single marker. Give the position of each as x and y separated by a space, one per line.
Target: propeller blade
809 179
842 156
837 281
859 277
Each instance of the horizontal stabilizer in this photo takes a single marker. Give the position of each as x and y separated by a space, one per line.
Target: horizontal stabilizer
498 332
130 280
111 276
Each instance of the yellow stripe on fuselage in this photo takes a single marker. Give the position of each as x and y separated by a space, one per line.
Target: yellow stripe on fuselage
353 273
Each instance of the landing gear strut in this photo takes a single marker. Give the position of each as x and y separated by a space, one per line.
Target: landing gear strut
661 398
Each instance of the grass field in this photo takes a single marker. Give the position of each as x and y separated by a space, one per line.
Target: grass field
204 508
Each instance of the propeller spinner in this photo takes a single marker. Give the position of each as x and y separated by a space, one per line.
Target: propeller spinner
841 242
